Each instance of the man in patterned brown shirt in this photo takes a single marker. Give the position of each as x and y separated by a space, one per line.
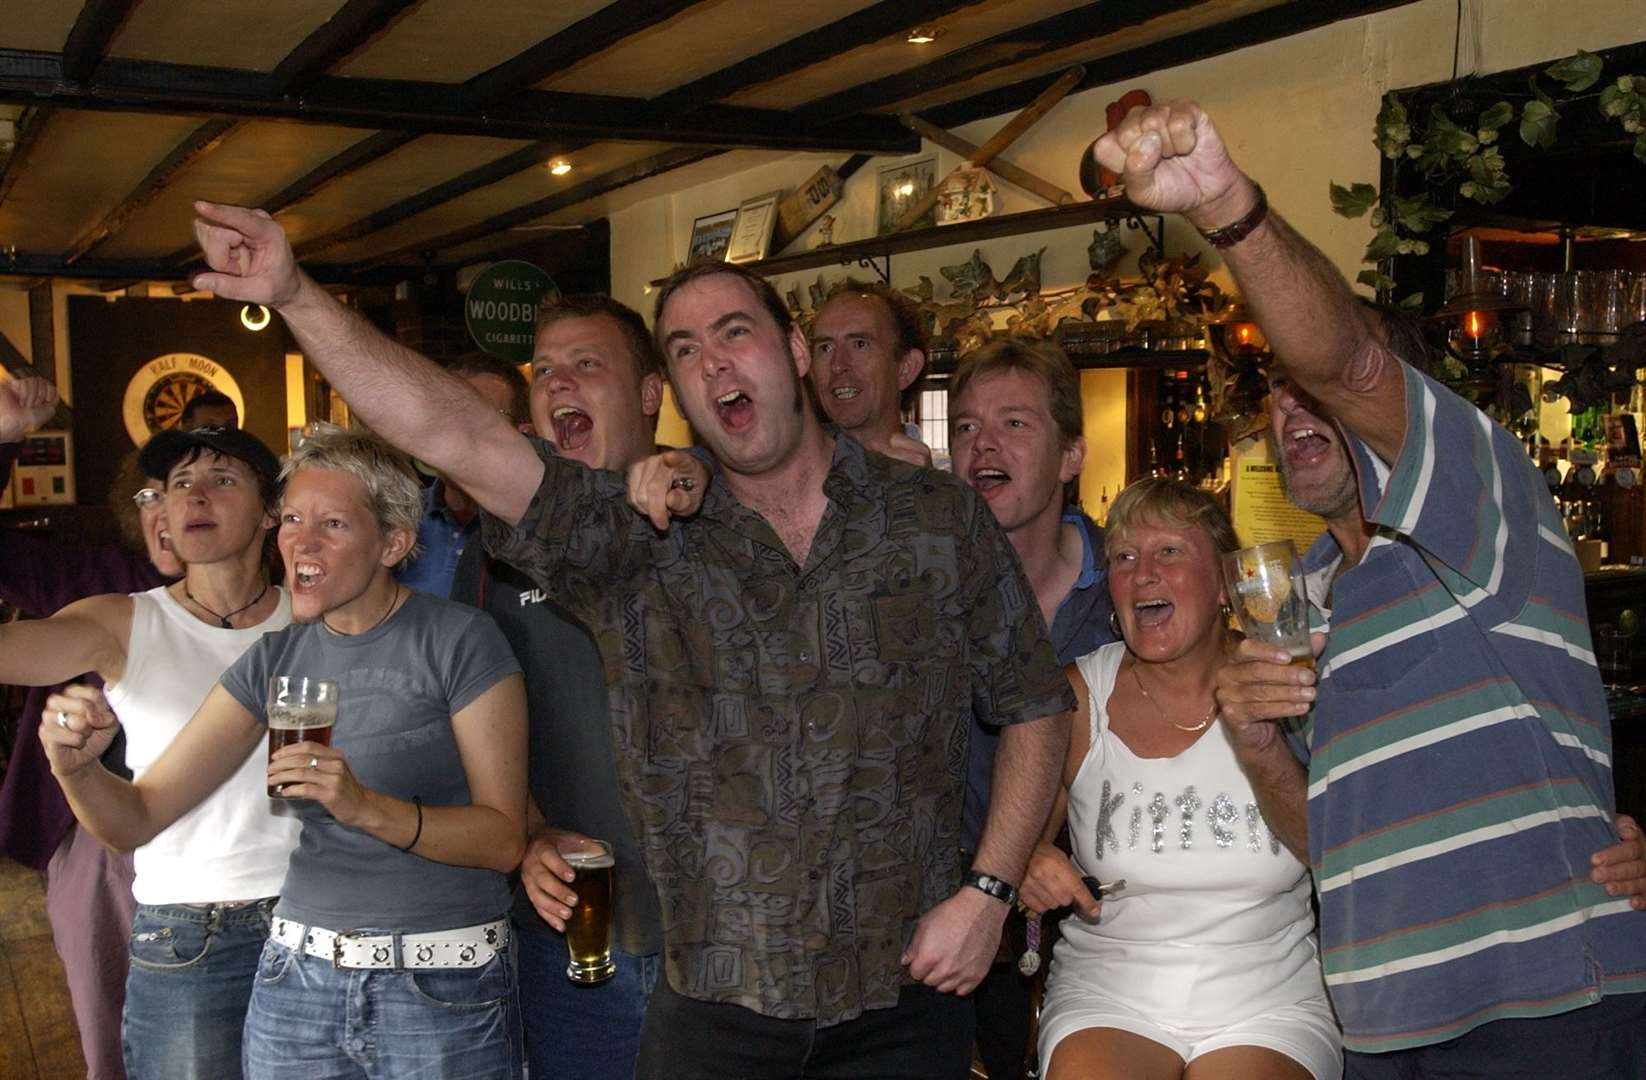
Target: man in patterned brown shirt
792 674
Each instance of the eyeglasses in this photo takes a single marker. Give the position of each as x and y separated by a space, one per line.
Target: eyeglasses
148 497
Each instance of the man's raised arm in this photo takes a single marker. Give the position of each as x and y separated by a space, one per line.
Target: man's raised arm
1172 158
400 394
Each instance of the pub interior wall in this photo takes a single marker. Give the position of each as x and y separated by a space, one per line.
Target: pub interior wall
1296 113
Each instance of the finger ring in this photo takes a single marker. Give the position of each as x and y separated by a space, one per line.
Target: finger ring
62 719
314 763
684 483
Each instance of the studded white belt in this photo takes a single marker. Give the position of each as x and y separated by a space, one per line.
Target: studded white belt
464 947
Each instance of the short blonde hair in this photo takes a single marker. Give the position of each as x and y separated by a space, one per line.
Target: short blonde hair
1159 500
393 494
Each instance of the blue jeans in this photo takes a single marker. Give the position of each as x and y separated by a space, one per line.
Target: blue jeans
187 988
312 1020
578 1032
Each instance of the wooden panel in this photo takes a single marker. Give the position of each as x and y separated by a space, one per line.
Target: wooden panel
1092 53
38 24
702 40
421 164
965 27
251 34
253 163
494 199
420 44
84 165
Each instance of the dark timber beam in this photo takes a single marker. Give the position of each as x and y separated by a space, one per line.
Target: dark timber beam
525 158
349 28
632 173
863 27
1085 23
588 36
31 123
203 140
145 86
341 35
120 273
1239 33
88 40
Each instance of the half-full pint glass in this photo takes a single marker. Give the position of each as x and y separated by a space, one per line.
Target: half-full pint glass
300 709
588 931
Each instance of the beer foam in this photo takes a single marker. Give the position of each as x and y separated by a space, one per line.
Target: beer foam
588 860
285 717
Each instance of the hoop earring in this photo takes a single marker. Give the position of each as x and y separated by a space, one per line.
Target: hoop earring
1114 627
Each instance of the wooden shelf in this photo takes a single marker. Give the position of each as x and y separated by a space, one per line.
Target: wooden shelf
1112 208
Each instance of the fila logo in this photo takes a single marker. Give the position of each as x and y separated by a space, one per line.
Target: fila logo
533 596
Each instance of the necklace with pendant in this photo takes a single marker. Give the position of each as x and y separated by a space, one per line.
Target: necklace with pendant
1204 722
394 598
223 620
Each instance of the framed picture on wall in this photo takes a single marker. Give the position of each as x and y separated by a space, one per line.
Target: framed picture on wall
901 186
710 236
753 235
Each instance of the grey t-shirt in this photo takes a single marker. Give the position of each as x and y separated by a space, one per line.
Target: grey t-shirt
398 687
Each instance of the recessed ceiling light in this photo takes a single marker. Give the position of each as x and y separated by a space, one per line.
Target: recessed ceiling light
560 167
924 35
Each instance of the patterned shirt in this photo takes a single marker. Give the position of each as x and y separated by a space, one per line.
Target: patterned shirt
1460 752
791 740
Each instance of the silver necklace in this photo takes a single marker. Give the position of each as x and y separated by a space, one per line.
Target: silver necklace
1204 723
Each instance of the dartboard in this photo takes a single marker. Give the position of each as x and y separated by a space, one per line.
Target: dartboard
163 404
157 392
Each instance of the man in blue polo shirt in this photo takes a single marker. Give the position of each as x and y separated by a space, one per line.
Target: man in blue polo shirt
1459 777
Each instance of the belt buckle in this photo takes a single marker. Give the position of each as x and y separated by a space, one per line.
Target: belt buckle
382 956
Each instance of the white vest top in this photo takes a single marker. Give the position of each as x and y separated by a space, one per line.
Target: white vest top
1214 920
233 846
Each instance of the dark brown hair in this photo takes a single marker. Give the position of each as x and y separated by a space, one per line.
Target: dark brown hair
911 329
485 363
761 288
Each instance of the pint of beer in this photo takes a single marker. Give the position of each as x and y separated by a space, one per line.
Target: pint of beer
588 931
300 709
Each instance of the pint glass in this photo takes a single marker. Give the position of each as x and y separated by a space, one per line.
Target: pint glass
300 709
1266 590
588 931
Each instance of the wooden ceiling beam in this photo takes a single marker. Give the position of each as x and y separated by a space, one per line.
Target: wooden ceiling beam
527 157
587 37
632 173
203 140
1238 33
125 272
89 38
31 123
1090 21
345 33
432 108
863 27
353 23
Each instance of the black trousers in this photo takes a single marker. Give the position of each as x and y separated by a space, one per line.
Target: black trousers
1605 1041
927 1036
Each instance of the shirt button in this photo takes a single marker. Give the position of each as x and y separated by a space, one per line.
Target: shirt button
814 875
805 657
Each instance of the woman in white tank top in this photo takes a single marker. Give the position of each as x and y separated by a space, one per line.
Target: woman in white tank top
205 885
1206 956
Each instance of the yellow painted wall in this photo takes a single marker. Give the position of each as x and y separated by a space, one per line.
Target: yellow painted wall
1103 397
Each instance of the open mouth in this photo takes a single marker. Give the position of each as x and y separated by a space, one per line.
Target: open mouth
165 539
571 428
988 479
736 410
1306 445
844 393
307 575
1152 612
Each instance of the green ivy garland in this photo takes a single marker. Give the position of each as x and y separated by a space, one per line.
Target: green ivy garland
1463 158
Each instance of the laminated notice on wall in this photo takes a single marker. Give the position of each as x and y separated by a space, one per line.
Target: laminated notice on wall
1261 510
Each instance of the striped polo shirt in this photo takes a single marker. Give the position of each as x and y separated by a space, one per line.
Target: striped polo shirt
1459 752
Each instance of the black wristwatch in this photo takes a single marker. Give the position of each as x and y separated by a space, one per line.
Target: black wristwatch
1003 891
